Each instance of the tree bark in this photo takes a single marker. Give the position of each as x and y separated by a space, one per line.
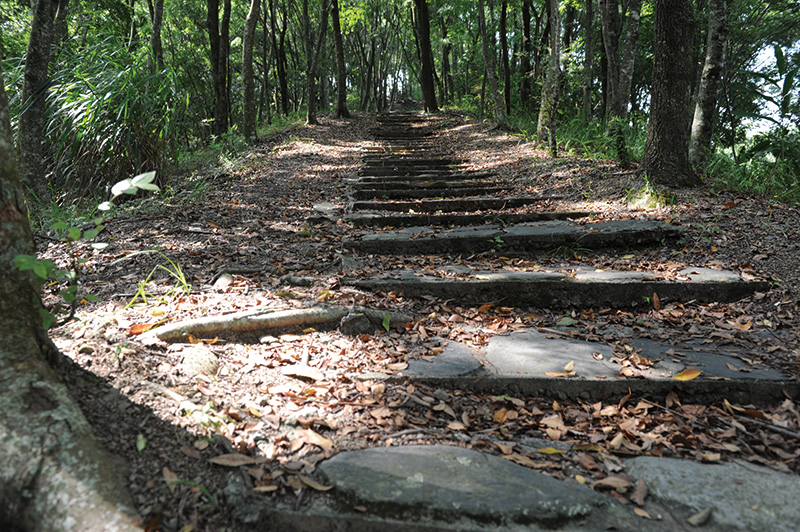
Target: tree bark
588 61
223 107
53 473
155 37
423 26
705 111
552 87
341 71
666 154
248 78
312 57
504 56
30 130
447 74
279 45
620 67
525 57
490 71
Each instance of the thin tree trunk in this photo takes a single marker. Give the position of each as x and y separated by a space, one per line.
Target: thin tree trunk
155 37
588 61
341 72
312 56
222 111
447 74
30 129
423 26
504 56
248 78
279 45
666 154
490 71
552 88
525 57
705 111
54 476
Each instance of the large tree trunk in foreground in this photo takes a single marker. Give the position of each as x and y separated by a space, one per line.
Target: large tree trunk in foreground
155 36
248 81
53 474
34 92
588 61
705 111
490 71
341 72
666 154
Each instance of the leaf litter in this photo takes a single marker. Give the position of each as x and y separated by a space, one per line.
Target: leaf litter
273 409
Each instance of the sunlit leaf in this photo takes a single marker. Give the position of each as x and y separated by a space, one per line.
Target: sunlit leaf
688 374
232 460
549 450
141 442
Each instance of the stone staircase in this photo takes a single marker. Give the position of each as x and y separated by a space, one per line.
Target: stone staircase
410 199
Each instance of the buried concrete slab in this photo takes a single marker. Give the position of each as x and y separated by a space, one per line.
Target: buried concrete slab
579 287
525 236
415 192
444 483
397 220
531 362
740 495
450 205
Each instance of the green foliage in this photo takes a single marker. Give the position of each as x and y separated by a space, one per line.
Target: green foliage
45 271
174 270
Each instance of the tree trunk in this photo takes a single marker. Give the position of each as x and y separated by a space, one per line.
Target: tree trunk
423 27
588 61
279 45
504 56
223 107
155 37
312 57
705 111
53 474
490 71
666 153
447 73
248 78
525 57
552 87
341 72
30 129
620 67
212 23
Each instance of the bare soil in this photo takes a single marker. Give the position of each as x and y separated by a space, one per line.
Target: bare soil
259 412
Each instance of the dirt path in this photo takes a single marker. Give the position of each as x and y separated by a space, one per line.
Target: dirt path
268 412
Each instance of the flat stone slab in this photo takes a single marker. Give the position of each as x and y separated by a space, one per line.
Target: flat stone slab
581 286
521 237
536 363
741 496
420 184
449 205
427 192
452 483
403 220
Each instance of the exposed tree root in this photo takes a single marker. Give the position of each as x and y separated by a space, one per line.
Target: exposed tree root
264 322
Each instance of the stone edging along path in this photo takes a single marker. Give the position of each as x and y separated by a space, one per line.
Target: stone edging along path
410 201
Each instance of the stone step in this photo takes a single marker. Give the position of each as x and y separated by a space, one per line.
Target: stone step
578 286
371 161
405 220
450 205
419 184
532 362
527 236
401 171
421 178
438 192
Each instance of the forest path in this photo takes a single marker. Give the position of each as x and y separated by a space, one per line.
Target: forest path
571 395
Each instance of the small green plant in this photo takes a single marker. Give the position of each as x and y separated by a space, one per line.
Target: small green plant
497 241
45 271
174 270
570 250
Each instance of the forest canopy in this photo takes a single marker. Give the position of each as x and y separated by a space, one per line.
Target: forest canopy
127 86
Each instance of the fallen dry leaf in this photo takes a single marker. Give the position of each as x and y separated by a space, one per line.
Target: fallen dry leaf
688 374
232 460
